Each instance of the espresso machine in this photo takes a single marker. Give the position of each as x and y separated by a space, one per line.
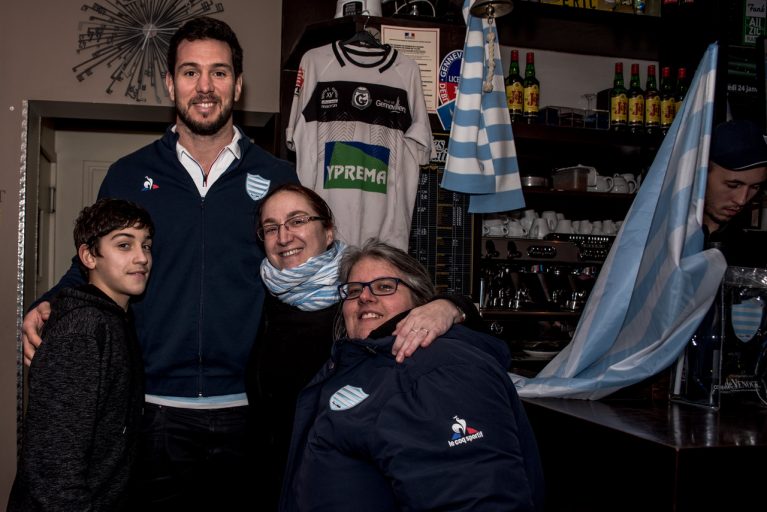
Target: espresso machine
532 291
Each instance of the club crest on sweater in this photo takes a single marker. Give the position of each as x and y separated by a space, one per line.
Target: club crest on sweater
256 186
346 398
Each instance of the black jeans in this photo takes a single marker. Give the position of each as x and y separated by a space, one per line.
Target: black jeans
195 459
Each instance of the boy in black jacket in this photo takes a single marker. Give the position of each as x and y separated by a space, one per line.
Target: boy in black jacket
86 380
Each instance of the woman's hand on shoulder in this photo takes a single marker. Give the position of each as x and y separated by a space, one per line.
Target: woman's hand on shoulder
423 325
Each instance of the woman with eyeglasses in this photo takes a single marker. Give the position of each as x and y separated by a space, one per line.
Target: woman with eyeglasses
300 272
445 430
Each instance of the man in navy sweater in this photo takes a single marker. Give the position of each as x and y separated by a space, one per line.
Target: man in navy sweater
202 183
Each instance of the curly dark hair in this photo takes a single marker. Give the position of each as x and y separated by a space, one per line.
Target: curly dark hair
105 216
205 27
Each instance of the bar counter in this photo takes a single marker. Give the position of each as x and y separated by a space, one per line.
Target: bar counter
625 455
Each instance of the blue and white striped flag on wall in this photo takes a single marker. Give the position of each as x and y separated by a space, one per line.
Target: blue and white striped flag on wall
481 156
657 283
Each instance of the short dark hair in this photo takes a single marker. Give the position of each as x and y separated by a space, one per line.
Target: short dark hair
320 205
205 27
103 217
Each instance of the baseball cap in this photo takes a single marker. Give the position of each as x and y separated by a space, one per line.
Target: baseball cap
738 146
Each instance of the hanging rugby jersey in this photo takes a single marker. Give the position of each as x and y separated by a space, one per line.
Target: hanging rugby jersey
360 130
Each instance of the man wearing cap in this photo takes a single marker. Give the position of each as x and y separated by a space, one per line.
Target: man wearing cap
737 169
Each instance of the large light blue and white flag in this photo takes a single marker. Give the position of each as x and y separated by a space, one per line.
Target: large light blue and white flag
481 156
657 282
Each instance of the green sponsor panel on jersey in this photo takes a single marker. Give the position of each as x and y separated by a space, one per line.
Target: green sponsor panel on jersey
356 165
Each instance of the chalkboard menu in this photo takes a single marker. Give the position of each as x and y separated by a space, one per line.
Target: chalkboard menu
441 233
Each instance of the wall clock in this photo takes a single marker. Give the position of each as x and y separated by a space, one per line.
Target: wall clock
131 38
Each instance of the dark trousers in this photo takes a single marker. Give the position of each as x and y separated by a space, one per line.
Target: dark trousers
195 459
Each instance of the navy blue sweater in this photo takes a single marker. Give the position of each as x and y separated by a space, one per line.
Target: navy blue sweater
199 317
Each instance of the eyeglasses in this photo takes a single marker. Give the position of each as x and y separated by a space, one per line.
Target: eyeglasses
292 224
380 286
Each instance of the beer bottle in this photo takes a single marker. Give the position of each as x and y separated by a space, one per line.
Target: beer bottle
681 89
651 103
636 102
667 102
514 90
531 89
618 101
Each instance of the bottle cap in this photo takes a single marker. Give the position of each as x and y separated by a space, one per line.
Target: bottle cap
515 54
619 67
635 69
651 69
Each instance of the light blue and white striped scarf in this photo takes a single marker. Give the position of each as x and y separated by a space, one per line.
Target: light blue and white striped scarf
657 282
481 155
311 286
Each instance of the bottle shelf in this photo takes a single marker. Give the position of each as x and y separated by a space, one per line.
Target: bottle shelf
581 31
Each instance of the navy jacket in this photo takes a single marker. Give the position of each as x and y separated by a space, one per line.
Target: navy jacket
445 430
199 317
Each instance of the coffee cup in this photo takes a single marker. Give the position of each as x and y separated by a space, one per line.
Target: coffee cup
620 186
515 229
564 226
539 229
527 219
495 230
551 218
609 227
596 228
604 184
632 182
591 177
585 227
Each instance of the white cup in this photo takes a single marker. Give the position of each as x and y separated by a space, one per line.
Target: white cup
540 228
551 218
591 178
564 226
495 230
604 184
585 227
632 181
596 228
609 227
516 230
527 219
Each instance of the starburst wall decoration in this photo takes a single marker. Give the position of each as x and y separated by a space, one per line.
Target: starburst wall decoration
131 37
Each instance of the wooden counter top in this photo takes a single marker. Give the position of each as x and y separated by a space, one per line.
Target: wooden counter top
651 456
